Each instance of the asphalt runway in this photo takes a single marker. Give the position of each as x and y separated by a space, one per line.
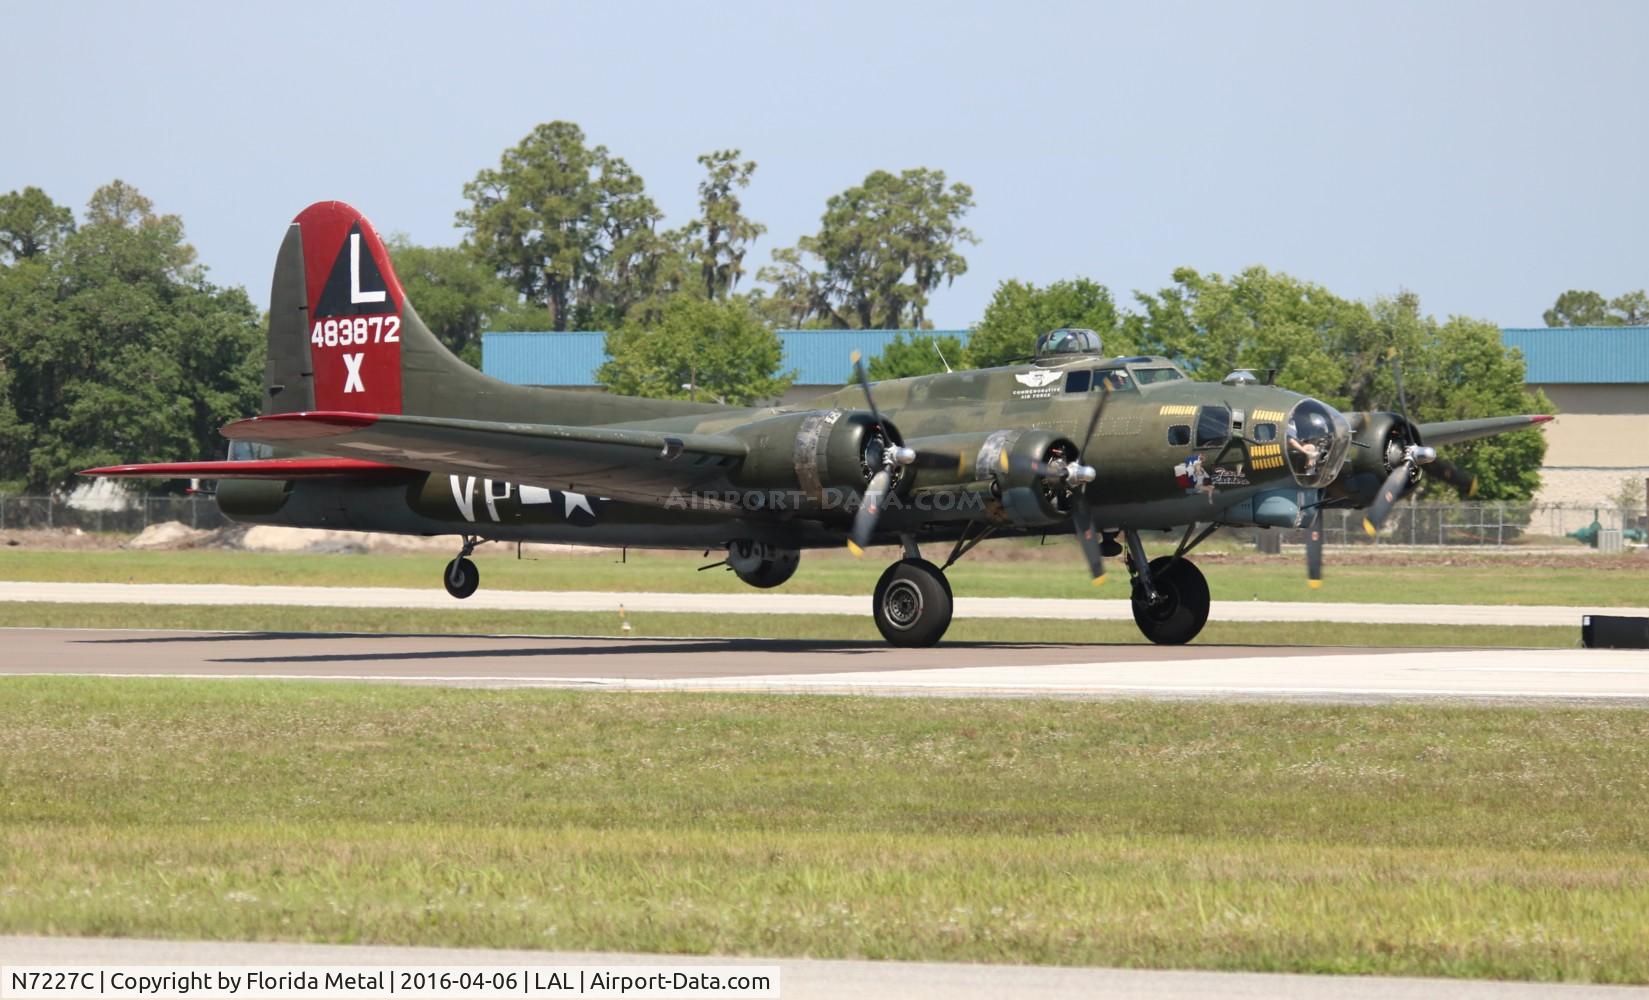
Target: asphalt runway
805 666
1107 604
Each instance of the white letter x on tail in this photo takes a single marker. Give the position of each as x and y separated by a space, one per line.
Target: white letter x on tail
353 383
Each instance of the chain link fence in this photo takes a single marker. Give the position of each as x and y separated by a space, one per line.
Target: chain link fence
48 513
1489 524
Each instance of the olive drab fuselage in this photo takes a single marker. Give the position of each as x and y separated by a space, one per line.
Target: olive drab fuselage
1169 451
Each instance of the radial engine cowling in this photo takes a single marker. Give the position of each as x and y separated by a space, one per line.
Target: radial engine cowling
817 458
1378 440
760 564
1011 458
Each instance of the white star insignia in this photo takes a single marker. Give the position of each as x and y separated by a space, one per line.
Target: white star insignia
576 501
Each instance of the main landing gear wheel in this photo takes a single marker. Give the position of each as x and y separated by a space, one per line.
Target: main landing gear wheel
461 578
912 603
1181 608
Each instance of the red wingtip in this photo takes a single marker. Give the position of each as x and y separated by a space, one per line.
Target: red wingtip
1542 418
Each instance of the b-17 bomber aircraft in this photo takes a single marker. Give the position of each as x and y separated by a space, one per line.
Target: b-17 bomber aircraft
370 424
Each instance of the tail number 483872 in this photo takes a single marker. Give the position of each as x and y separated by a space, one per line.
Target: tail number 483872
349 331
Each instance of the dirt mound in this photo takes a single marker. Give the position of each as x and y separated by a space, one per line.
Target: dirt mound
273 538
166 535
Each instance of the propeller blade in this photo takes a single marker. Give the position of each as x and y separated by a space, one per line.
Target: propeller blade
1082 520
1402 398
870 509
1093 421
864 383
1391 491
1035 466
1464 482
1314 551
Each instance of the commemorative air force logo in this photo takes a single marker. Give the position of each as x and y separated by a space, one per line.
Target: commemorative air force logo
1037 378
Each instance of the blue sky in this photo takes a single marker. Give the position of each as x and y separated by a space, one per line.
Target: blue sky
1484 155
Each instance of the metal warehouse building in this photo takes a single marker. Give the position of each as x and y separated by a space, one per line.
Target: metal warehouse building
1598 380
820 358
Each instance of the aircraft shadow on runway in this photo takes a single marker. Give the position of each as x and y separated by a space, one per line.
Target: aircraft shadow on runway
577 646
581 646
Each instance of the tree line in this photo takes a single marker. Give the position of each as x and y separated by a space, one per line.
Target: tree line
1587 308
115 347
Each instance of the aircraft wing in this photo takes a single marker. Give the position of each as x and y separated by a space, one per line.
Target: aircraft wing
271 468
644 466
1457 431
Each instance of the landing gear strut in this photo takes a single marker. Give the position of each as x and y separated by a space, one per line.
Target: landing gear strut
1170 597
912 603
461 577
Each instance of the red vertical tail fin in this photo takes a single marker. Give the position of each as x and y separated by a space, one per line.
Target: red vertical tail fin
337 317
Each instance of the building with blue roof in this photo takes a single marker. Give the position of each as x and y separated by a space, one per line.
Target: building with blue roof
1597 378
820 358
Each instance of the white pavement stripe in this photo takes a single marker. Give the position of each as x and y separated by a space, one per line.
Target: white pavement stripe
1540 673
1101 609
809 979
1526 674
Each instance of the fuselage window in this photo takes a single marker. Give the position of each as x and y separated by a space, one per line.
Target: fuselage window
1213 426
1179 435
1114 379
1265 432
1078 381
1148 376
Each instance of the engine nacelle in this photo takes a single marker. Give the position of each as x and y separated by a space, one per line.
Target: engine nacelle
1027 498
821 457
1378 441
760 564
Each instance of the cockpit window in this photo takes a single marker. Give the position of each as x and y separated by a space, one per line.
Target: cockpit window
1077 381
1213 426
1147 376
1066 340
1114 379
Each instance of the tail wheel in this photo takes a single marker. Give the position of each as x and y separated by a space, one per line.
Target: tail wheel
912 603
461 578
1181 608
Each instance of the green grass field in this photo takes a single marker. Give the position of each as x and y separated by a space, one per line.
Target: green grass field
1053 571
845 628
1453 841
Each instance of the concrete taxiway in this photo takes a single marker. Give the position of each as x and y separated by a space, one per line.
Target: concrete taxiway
1107 605
806 666
809 979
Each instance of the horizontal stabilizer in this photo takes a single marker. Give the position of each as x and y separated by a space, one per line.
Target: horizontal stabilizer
1458 431
273 468
623 463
